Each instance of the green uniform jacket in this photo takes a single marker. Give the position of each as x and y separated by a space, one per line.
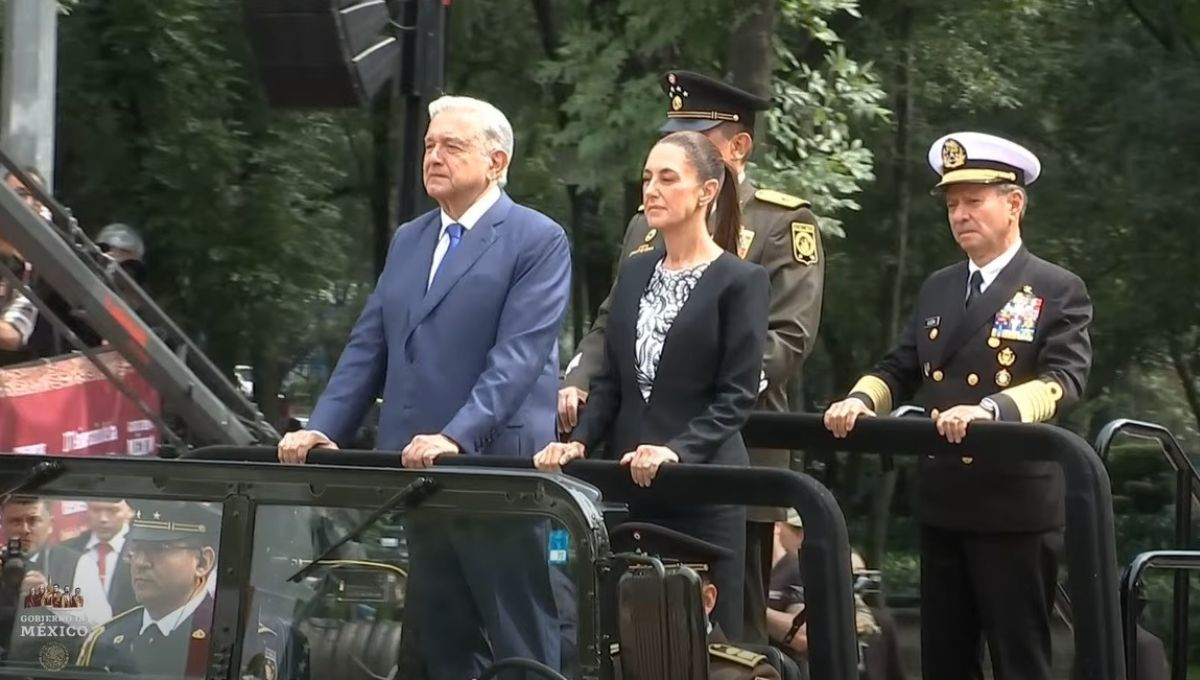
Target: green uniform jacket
725 661
780 233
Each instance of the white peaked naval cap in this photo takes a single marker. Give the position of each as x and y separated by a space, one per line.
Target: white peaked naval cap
979 158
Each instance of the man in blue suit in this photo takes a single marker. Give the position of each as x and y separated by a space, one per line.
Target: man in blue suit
460 338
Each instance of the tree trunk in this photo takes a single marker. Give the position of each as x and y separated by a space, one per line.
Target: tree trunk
268 378
592 271
381 178
1187 376
751 53
593 261
882 506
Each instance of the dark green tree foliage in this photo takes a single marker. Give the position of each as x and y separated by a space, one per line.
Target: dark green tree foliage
162 126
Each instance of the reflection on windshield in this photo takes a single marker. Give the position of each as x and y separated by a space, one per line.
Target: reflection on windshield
109 586
409 598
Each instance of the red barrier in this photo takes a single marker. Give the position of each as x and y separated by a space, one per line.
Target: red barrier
66 406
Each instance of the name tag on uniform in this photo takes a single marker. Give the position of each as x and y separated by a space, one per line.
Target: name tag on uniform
1018 319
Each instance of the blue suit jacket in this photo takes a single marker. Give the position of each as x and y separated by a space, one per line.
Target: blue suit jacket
475 358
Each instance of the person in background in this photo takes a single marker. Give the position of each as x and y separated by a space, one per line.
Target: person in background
725 661
30 519
785 598
18 315
104 551
124 247
172 560
880 647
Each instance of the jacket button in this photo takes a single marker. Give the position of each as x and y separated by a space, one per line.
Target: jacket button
938 375
967 460
972 380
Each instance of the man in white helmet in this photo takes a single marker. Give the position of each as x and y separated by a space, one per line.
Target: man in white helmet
1001 336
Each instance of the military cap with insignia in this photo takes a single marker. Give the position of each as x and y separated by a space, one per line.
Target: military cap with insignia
979 158
667 545
160 521
698 102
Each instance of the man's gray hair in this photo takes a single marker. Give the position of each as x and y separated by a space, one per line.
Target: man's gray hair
495 132
1006 189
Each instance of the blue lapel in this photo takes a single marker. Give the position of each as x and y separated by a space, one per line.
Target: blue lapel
474 243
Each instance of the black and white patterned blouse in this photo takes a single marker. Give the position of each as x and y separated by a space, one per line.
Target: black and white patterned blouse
665 295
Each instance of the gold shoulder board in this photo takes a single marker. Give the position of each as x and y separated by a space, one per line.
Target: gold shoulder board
780 199
123 614
89 647
737 655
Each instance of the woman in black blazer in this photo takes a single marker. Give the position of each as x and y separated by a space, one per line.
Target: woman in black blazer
684 352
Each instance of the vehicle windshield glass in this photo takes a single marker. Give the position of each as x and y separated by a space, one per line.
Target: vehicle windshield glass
425 572
149 586
108 586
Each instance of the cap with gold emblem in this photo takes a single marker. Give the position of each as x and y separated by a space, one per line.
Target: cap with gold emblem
667 544
979 158
173 520
698 102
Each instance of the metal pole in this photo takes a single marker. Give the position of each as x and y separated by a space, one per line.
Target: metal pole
423 78
27 96
1183 538
381 174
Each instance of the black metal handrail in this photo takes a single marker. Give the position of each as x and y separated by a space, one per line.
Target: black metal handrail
825 558
1178 561
1187 490
244 489
1062 600
1091 547
1171 448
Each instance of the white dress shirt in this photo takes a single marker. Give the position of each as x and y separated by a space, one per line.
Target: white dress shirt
468 220
170 622
88 567
988 273
992 269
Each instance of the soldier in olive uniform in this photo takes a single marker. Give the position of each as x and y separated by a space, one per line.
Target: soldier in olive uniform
725 661
172 554
1002 336
780 233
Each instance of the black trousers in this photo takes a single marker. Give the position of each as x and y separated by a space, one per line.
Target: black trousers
760 543
994 586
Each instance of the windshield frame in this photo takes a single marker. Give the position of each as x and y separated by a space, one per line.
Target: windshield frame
241 487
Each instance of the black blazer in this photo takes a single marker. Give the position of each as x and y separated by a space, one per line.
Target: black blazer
708 375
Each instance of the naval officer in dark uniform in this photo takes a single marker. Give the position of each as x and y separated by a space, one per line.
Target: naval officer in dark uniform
778 232
1002 336
172 555
725 661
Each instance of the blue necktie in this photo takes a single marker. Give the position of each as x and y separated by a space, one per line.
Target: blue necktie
455 233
